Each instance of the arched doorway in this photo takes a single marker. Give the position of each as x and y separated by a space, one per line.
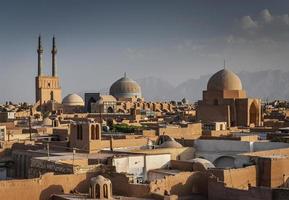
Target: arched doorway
110 110
254 114
90 101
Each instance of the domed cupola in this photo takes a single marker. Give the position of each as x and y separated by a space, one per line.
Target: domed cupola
73 100
125 88
224 80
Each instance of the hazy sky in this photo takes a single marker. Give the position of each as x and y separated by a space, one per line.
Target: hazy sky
176 40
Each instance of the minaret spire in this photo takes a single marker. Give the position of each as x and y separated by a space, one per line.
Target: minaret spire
40 53
53 52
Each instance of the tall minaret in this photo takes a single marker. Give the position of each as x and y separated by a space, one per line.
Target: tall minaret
53 52
40 53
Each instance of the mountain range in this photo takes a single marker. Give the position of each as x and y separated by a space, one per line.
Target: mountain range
266 84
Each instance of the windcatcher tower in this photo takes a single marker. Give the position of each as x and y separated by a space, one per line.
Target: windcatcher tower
47 87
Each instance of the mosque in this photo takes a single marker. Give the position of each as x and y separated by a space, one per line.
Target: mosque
225 100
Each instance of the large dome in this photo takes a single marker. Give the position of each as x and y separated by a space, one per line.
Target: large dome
73 100
224 80
125 88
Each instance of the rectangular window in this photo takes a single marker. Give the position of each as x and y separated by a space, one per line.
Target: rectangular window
79 132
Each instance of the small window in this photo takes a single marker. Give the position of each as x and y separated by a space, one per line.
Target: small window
97 191
93 136
97 133
79 132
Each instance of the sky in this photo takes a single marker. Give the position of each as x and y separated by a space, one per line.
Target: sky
175 40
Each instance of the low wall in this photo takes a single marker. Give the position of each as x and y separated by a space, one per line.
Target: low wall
192 131
42 188
218 191
181 184
122 187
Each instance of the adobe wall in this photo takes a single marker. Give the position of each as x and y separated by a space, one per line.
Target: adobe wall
272 172
95 145
149 133
192 131
122 187
181 184
279 171
212 113
242 108
42 188
241 177
216 133
218 191
237 178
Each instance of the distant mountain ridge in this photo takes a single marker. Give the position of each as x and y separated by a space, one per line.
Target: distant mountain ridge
266 84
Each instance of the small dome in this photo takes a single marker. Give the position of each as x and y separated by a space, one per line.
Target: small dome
170 144
125 88
99 180
73 100
224 80
201 164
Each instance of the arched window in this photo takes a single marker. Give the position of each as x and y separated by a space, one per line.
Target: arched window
221 127
51 96
92 191
254 114
97 133
93 132
90 101
97 191
105 191
79 132
110 109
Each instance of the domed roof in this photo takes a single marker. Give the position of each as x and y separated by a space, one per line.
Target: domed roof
201 164
170 144
125 88
99 180
224 80
105 98
73 100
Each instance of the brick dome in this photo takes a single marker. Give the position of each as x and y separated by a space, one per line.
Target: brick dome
224 80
